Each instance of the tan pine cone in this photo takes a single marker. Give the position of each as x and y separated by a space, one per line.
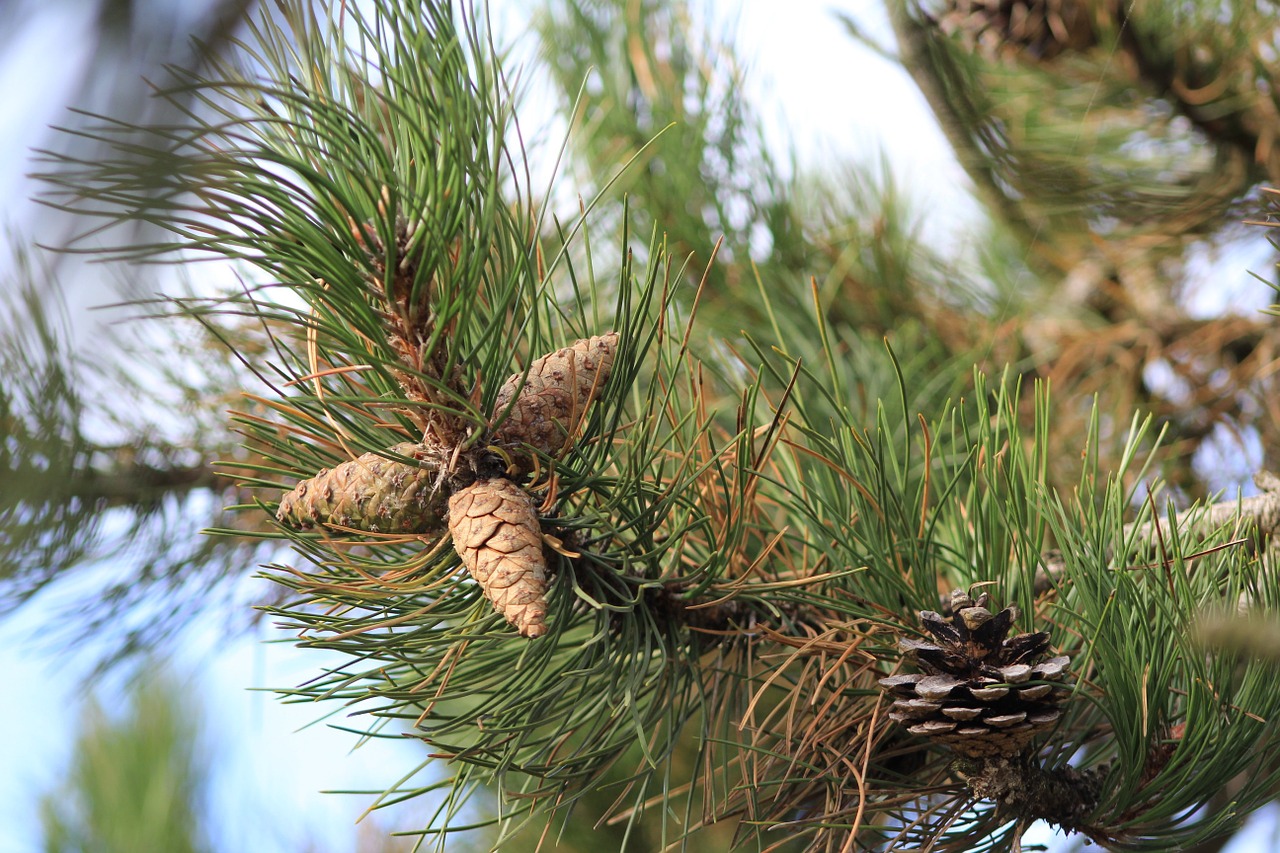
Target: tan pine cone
496 533
553 399
371 493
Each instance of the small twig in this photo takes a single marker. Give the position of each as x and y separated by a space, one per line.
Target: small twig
1262 510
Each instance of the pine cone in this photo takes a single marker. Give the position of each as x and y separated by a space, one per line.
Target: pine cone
1042 28
371 493
552 400
976 692
496 533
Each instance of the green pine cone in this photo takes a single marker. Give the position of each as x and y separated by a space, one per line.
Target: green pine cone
370 493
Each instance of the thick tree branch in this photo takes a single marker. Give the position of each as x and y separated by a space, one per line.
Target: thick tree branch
140 483
913 49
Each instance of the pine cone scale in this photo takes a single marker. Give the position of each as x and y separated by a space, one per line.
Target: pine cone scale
480 505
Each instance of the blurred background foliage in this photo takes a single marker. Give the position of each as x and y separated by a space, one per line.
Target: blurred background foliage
111 428
141 776
137 779
1114 151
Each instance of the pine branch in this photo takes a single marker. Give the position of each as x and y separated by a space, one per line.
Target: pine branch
649 79
664 569
1260 513
1111 241
98 502
1218 88
954 117
1025 88
136 780
136 483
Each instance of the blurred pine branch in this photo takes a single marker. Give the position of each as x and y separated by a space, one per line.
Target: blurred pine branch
136 780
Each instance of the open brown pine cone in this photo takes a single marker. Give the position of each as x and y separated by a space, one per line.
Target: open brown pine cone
978 691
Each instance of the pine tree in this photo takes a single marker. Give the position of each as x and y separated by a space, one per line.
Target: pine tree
782 544
136 780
